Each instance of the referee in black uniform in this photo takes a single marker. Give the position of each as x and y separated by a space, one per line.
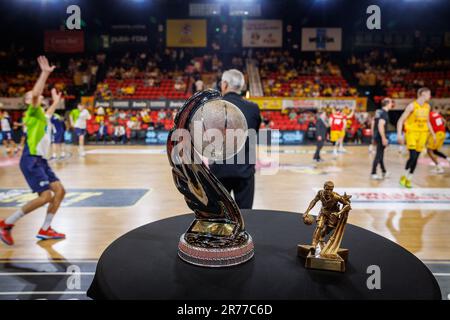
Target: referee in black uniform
239 178
321 134
379 133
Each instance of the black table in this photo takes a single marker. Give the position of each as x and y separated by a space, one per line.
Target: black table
143 264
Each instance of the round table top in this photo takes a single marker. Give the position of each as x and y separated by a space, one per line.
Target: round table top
143 264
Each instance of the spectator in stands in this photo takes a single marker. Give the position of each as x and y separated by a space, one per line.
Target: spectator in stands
102 133
119 134
198 85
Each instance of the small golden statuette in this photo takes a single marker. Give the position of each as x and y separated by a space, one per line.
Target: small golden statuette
326 254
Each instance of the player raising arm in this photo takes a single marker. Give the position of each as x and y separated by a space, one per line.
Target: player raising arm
33 163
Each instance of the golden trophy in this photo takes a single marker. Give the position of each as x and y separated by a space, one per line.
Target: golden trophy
327 254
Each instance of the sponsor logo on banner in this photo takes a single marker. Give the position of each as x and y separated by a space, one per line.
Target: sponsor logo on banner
321 39
18 104
78 197
309 103
301 103
121 104
12 103
139 104
125 36
104 104
186 33
286 137
262 33
158 104
176 104
156 137
64 41
268 103
398 198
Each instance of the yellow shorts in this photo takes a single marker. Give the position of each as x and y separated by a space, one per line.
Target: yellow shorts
416 140
440 138
335 135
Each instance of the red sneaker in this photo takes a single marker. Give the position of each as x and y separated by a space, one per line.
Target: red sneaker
5 233
49 234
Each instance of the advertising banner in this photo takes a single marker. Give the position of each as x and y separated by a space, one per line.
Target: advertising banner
134 36
186 33
262 33
64 41
310 103
321 39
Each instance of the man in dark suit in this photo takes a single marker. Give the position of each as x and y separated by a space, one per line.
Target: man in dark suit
321 133
239 177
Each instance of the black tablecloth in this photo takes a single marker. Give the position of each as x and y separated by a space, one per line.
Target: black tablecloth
143 264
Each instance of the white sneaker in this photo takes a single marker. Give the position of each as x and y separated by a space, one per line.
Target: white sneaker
386 175
375 177
438 169
82 154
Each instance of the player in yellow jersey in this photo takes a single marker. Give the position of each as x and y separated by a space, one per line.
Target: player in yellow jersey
417 129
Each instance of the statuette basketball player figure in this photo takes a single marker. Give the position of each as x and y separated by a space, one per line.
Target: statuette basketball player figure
327 254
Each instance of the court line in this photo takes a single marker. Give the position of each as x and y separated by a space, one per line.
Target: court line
441 274
16 293
48 261
46 273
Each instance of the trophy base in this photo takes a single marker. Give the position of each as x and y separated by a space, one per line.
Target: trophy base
323 263
215 257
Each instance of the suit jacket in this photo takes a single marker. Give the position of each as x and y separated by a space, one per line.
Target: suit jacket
321 128
253 117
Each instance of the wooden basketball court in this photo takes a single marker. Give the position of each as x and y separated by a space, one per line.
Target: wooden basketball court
423 230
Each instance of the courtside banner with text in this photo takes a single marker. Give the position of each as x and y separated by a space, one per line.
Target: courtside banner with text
64 41
321 39
186 33
262 33
274 103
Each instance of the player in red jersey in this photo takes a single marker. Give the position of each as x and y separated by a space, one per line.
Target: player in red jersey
437 122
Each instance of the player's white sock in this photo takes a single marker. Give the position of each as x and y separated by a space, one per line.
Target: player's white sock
409 176
47 221
12 219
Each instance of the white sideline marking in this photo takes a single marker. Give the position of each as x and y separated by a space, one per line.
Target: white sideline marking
127 151
46 273
16 293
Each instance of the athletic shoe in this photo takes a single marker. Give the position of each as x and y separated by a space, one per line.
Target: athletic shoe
5 233
386 175
375 177
408 184
403 181
438 170
49 234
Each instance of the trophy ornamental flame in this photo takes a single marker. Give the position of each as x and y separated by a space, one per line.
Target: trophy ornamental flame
217 236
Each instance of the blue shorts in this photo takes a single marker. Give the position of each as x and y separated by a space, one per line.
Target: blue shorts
36 171
80 132
7 135
58 137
